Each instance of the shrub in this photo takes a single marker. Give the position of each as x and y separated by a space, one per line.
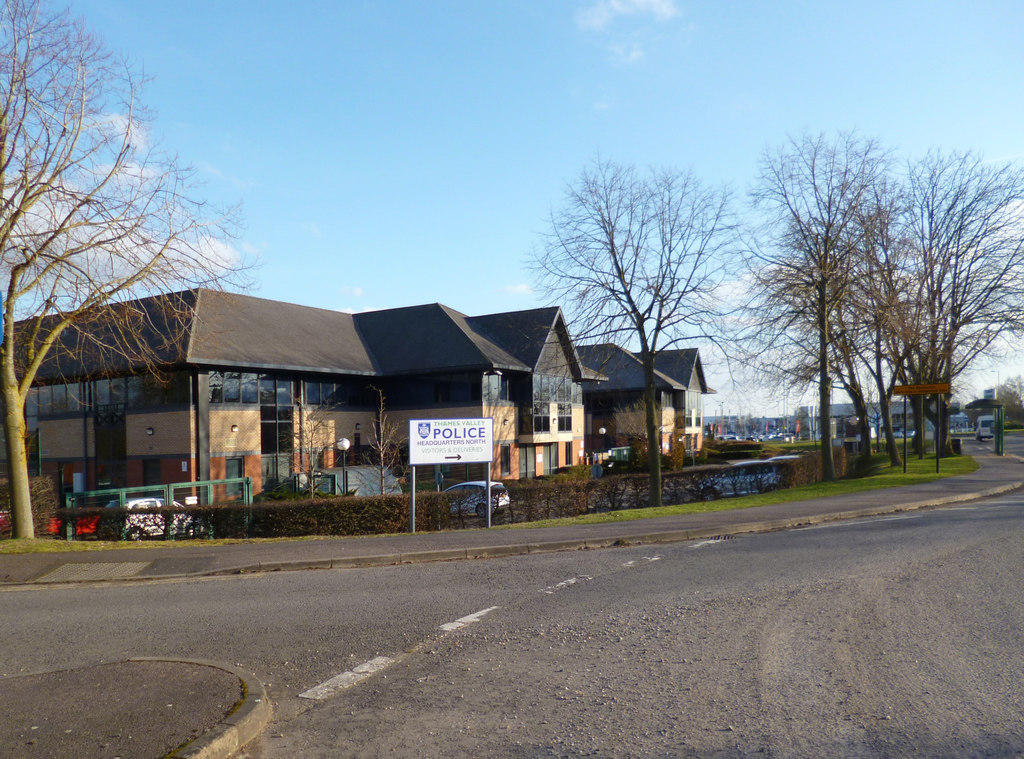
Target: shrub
45 502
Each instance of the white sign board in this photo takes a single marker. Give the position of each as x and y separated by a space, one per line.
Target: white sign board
451 441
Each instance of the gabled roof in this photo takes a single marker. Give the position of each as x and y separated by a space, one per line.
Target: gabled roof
524 333
673 368
212 328
429 338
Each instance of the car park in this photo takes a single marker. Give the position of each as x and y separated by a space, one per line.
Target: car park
470 497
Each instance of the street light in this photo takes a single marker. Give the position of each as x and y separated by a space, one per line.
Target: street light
343 445
595 467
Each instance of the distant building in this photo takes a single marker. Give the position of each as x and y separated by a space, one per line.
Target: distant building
613 397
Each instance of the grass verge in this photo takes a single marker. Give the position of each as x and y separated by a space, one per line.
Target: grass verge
881 476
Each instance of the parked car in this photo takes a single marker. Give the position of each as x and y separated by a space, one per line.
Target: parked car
470 497
135 526
151 524
5 521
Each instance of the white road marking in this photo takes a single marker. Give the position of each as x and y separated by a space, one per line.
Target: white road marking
347 679
565 584
467 620
652 558
702 543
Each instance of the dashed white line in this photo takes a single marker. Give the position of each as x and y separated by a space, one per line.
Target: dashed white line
347 679
702 543
633 563
564 584
467 620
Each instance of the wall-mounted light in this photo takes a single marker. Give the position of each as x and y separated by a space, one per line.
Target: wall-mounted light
149 430
234 428
358 426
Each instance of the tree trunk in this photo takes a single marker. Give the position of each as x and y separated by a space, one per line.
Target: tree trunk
17 466
651 409
863 425
885 407
917 406
828 467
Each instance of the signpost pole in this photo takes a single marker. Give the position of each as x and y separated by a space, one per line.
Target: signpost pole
488 495
904 434
412 499
938 429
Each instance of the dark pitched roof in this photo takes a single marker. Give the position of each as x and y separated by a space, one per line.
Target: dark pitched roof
624 371
681 365
523 333
121 337
429 338
213 328
243 331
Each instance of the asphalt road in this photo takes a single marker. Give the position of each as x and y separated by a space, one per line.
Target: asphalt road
891 637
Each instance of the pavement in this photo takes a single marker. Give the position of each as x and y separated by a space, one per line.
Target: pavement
210 710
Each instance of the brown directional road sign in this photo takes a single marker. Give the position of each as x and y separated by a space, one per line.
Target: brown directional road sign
938 388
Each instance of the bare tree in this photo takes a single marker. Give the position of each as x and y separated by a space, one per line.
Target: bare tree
91 213
316 436
638 261
810 193
966 220
386 441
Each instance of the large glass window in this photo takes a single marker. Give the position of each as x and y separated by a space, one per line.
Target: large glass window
118 390
506 460
313 393
216 387
232 387
541 417
565 417
102 392
250 388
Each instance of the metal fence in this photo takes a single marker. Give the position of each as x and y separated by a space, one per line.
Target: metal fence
150 511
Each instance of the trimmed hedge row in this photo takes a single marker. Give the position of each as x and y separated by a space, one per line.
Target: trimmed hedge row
45 503
531 500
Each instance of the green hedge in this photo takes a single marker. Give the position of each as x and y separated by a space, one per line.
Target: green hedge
531 500
45 502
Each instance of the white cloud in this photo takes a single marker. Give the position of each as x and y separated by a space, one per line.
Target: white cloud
522 289
355 292
627 53
601 13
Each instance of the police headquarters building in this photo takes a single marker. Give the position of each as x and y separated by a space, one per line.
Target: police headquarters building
233 382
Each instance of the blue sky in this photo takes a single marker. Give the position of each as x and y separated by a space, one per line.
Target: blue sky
394 153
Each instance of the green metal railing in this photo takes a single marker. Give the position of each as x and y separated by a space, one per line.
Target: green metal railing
201 493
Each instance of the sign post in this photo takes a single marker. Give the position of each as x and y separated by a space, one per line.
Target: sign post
450 441
936 389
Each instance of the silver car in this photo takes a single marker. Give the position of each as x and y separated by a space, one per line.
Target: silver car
470 497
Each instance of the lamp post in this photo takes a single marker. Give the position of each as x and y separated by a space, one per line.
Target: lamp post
595 467
343 445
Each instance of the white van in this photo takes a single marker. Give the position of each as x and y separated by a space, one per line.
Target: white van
984 428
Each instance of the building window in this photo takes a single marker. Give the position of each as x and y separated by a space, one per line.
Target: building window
506 460
541 417
565 417
442 392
